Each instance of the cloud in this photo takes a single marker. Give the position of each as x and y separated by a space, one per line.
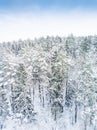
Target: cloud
31 25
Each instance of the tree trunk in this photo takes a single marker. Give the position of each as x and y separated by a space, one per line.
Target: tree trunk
39 91
76 112
33 94
85 124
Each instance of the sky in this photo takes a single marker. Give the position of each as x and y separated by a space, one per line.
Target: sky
23 19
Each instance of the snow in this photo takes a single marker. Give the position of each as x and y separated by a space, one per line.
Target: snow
49 90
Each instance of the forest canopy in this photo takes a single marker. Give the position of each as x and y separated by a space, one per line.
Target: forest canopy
50 81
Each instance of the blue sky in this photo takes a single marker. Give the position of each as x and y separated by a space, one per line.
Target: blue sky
47 4
22 19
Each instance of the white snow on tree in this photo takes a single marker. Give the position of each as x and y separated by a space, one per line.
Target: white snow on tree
49 84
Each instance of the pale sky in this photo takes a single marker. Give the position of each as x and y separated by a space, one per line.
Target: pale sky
23 20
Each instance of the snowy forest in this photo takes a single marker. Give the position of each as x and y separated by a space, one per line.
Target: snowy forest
49 84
